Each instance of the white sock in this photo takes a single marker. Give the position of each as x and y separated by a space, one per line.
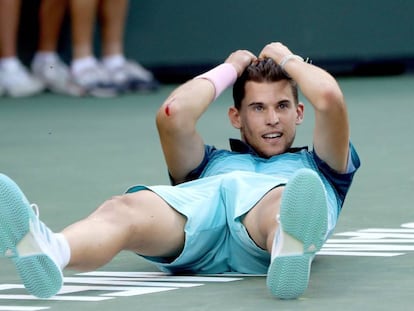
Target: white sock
61 250
113 61
53 244
45 57
9 62
80 64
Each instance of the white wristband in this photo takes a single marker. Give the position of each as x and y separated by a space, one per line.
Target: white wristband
286 59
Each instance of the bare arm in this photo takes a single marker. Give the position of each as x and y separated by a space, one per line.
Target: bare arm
331 133
177 117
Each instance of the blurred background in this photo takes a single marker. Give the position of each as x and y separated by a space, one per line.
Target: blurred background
177 39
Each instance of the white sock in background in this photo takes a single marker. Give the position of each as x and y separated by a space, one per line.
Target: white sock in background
80 64
9 62
45 57
113 61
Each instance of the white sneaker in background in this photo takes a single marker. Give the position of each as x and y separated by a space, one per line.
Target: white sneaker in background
131 76
16 81
95 80
56 76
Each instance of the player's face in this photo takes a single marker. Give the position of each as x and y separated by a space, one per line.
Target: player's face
268 117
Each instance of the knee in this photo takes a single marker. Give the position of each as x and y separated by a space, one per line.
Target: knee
129 211
116 209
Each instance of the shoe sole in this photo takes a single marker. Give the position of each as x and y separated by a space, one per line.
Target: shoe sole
303 216
102 92
39 274
26 93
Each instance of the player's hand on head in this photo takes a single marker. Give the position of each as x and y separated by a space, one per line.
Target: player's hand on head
240 60
275 51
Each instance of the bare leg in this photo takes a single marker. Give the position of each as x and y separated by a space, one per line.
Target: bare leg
15 80
51 16
113 16
126 75
141 222
9 23
83 15
261 222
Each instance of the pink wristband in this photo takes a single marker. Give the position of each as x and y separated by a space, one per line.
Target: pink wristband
221 76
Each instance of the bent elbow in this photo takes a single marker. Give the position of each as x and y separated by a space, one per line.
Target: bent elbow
331 97
171 117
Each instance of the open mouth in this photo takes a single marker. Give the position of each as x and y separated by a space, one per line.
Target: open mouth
272 135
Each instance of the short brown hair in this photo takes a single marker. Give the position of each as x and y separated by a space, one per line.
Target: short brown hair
263 70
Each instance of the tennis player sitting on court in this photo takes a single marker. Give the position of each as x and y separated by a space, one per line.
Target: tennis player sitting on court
263 207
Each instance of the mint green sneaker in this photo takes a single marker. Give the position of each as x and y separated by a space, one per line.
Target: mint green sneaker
303 227
27 241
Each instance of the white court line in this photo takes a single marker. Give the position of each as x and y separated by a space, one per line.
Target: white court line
19 308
